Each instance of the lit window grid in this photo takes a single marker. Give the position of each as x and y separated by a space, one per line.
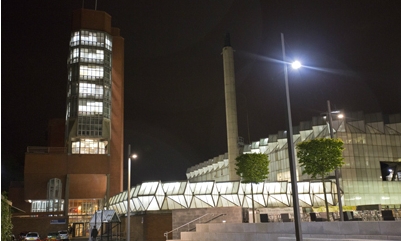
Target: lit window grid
90 72
90 90
94 99
89 60
109 42
89 146
74 38
75 146
90 55
90 107
47 206
83 206
91 38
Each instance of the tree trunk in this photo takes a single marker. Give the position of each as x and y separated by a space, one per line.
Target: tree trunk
253 206
325 200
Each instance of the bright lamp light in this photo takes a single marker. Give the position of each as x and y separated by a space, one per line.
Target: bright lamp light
296 65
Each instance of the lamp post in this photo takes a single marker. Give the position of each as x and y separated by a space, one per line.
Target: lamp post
291 156
340 206
134 156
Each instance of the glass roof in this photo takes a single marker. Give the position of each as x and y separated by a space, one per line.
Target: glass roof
181 195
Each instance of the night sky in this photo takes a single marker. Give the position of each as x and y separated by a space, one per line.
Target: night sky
174 87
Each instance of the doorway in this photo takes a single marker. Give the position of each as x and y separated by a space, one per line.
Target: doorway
78 230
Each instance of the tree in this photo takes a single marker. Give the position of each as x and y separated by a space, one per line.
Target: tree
319 157
6 225
253 168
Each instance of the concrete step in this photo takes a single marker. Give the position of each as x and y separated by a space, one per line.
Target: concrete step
327 231
178 240
327 239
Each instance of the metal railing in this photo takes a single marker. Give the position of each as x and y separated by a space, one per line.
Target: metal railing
213 216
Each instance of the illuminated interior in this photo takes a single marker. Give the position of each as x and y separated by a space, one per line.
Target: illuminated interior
89 92
372 155
89 146
150 196
47 206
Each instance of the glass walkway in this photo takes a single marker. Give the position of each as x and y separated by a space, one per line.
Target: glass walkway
152 196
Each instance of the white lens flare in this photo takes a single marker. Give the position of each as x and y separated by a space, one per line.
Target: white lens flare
296 65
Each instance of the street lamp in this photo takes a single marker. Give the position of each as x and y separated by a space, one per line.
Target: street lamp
291 156
337 174
133 156
296 65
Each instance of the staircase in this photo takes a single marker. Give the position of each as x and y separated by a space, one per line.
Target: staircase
311 231
208 217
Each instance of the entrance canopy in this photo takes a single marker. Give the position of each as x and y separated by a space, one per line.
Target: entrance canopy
104 216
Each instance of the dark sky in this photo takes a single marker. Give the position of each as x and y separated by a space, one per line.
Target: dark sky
174 96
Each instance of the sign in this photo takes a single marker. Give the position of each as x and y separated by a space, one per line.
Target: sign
58 221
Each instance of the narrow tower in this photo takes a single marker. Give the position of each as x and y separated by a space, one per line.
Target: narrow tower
231 107
95 101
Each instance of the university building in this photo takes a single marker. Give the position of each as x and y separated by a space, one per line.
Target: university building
371 175
81 170
82 167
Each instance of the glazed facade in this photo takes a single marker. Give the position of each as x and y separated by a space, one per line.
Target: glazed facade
154 196
371 173
89 92
372 170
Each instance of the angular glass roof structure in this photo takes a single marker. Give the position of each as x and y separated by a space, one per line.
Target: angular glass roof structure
151 196
370 141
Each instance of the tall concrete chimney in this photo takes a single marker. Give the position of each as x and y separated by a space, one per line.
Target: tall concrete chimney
231 107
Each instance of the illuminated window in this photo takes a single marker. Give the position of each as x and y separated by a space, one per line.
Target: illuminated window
83 206
92 38
87 90
47 206
74 39
75 147
89 94
108 42
88 107
89 146
92 55
90 72
74 54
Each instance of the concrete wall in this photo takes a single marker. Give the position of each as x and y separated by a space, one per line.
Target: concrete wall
384 230
181 217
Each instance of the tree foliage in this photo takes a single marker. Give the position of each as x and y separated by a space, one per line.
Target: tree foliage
6 224
319 157
253 167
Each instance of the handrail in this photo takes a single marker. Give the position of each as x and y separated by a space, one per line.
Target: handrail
213 218
196 219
